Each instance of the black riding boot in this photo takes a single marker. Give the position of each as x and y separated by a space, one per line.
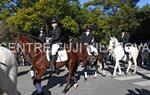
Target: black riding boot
53 63
93 57
127 54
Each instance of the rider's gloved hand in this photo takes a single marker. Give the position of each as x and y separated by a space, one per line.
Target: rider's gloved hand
48 39
85 43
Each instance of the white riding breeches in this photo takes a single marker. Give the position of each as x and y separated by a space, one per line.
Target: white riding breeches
55 48
91 48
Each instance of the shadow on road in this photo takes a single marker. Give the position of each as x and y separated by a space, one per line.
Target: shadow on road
22 73
138 92
45 90
54 81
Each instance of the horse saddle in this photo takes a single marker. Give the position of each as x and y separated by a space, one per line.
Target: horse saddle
91 54
90 50
61 55
127 52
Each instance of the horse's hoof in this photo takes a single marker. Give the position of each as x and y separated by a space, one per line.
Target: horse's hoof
104 75
85 79
58 72
50 75
113 76
64 93
134 73
18 93
76 85
126 73
94 77
32 78
120 74
42 93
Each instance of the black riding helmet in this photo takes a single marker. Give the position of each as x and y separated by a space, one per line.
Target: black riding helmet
54 21
89 28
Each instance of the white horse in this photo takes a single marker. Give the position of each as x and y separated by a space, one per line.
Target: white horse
117 51
8 72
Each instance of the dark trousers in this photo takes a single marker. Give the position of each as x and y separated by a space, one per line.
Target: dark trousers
126 53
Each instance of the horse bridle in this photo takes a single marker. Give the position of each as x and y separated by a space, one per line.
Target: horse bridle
3 64
113 46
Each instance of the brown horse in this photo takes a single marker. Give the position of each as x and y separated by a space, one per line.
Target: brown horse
88 60
40 62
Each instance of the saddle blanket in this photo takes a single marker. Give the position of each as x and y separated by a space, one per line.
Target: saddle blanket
61 55
90 49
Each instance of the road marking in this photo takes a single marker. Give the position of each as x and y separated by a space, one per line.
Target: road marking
142 83
131 77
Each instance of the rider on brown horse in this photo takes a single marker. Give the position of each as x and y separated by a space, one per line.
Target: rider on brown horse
88 39
55 41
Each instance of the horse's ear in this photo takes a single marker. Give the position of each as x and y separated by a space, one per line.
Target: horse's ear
111 37
114 37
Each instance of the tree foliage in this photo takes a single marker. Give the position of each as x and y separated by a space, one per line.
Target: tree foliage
107 17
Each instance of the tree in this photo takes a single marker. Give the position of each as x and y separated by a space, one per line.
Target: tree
106 17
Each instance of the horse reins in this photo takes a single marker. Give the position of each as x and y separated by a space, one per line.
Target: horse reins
4 70
3 64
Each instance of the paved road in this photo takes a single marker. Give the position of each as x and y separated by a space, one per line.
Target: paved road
138 84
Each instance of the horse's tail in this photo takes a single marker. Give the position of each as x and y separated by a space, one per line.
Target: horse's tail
13 70
137 49
7 84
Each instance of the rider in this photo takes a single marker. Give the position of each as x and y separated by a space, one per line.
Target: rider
55 41
125 39
41 36
88 39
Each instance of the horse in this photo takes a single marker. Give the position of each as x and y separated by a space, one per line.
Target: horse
88 61
8 72
117 51
40 63
144 52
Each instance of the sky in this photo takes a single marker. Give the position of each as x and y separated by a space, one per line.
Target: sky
141 3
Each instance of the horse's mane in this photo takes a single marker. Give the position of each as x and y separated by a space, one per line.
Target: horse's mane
30 38
115 39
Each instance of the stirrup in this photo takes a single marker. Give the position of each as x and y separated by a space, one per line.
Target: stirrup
127 57
52 68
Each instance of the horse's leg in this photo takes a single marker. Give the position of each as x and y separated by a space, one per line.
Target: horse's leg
96 65
103 66
135 65
66 87
70 66
6 84
86 68
74 76
32 73
37 81
115 69
142 61
119 68
37 85
129 66
13 74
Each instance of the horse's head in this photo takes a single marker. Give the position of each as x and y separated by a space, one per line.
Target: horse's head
23 39
29 45
112 44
